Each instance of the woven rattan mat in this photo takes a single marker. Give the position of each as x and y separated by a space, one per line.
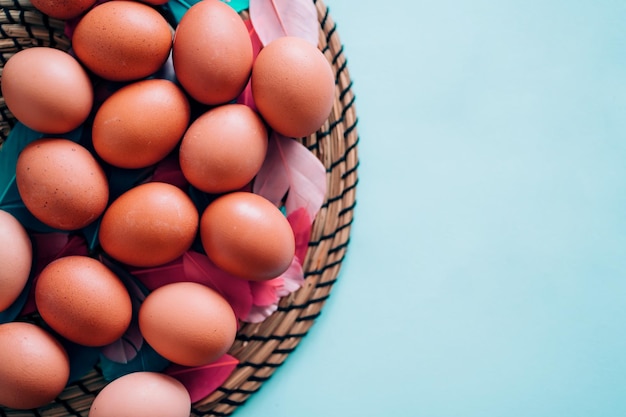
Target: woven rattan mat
261 348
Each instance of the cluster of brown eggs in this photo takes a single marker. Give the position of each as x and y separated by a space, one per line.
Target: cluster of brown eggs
144 120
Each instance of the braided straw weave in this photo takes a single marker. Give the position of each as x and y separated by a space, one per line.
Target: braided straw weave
260 347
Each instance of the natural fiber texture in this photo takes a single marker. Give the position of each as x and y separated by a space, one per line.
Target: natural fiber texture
261 347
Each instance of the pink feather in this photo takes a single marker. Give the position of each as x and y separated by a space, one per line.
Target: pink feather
48 247
125 349
267 294
273 19
246 96
196 267
291 169
301 225
203 380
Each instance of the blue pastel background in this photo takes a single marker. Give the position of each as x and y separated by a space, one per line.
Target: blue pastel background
486 274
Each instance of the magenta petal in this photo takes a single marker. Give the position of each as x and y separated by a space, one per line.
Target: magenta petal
246 97
47 247
156 277
201 381
265 293
51 246
168 171
301 225
254 38
198 268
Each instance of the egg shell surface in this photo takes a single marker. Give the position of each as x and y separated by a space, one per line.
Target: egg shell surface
246 235
83 300
149 225
293 86
141 123
122 40
16 257
188 323
224 148
62 9
61 183
47 90
34 366
212 52
142 394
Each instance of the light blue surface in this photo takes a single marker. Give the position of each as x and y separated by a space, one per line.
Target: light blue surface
486 275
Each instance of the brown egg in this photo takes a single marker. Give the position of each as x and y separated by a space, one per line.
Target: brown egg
34 367
47 90
212 52
188 323
83 301
141 123
16 257
293 86
142 394
246 235
149 225
223 149
61 183
62 9
122 40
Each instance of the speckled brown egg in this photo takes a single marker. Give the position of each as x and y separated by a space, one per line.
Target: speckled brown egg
83 300
293 86
61 183
212 52
34 366
62 9
141 123
16 256
149 225
188 323
122 40
224 148
47 90
247 236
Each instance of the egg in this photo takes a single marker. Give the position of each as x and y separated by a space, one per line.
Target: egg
61 183
122 40
16 257
83 300
223 149
212 52
142 394
293 86
149 225
62 9
246 235
47 90
141 123
188 323
34 366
